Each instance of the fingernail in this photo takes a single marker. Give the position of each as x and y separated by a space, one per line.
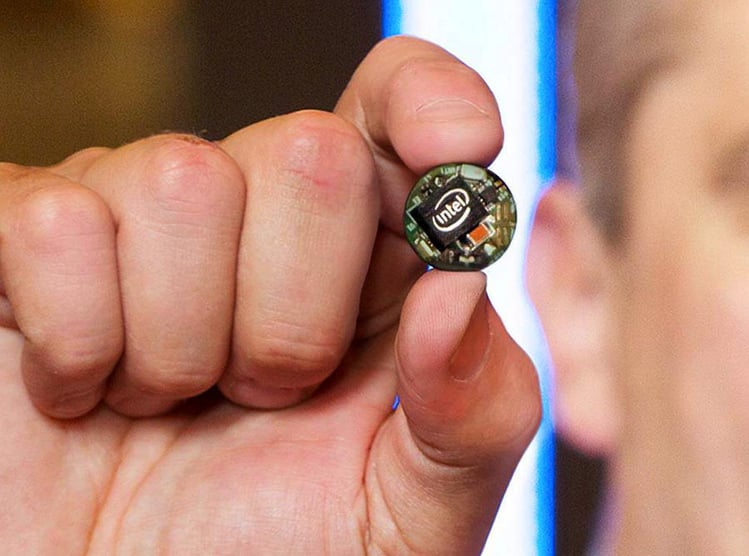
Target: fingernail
470 353
450 110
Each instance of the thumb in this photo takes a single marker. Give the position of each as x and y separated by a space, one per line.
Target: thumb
470 404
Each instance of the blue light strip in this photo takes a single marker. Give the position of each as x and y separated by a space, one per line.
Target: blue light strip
391 17
547 158
392 24
547 90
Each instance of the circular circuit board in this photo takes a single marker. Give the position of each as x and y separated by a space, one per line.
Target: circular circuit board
460 217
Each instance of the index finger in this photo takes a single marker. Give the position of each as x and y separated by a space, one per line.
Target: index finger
418 106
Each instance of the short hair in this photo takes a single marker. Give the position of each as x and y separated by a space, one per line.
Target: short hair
619 46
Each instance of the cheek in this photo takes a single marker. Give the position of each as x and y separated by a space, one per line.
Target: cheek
712 304
686 315
705 329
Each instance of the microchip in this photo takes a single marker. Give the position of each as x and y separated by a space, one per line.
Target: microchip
460 217
489 195
449 212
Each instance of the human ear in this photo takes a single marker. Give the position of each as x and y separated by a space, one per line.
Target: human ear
568 274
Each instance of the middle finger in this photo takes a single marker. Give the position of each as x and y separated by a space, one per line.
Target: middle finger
310 221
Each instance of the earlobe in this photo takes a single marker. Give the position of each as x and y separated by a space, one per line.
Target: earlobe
569 279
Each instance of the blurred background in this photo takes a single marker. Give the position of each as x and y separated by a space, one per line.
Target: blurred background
78 73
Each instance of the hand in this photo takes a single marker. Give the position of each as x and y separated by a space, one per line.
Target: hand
274 266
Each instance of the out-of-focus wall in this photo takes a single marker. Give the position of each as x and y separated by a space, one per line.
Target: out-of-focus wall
262 58
76 73
90 72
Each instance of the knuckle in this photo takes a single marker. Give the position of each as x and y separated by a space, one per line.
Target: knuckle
75 165
48 219
324 156
84 154
187 174
11 171
178 151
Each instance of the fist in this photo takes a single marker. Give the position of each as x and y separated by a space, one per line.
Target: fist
147 274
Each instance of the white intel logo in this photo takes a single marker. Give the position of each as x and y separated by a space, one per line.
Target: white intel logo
451 210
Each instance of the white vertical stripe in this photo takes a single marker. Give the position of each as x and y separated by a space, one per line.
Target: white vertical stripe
499 40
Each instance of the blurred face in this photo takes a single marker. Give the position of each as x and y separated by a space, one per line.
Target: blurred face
650 334
681 294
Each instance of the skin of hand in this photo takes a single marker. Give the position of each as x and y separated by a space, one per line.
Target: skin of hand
273 266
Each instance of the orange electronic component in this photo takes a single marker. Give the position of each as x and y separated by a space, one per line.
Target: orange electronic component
479 235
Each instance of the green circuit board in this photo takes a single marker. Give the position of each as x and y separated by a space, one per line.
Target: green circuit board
460 217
